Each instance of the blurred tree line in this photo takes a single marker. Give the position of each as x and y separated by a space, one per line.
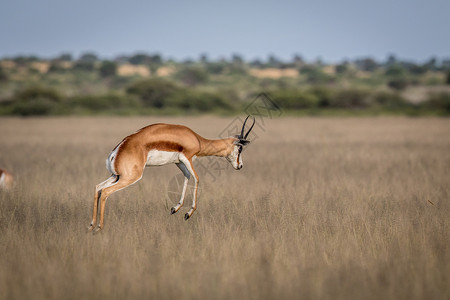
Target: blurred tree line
92 85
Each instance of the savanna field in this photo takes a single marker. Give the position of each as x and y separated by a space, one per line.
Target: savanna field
324 208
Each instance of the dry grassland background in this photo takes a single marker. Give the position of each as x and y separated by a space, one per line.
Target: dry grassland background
324 208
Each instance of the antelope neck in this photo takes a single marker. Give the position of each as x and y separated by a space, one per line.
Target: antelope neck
221 147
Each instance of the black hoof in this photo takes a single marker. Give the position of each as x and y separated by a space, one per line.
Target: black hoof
186 216
172 210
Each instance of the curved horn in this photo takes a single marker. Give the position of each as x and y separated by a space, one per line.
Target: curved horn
243 127
251 127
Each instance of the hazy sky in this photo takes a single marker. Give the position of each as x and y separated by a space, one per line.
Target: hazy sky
332 30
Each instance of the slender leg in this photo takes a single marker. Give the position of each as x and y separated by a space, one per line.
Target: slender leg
187 175
194 200
123 182
98 191
183 193
188 163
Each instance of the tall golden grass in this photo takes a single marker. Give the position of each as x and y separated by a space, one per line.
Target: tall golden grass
324 208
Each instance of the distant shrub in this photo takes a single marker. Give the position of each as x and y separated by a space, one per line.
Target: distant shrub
37 107
367 64
34 100
350 99
3 75
56 67
315 75
153 92
200 101
37 92
439 101
417 69
87 66
88 57
395 71
192 75
324 96
389 100
108 69
98 103
398 84
237 69
295 99
215 67
342 68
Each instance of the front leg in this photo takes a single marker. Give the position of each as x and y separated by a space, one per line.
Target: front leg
183 193
194 200
188 163
187 175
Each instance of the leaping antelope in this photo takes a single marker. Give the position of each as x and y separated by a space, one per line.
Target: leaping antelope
161 144
6 180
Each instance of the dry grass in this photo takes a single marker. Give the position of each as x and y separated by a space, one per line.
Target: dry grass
323 208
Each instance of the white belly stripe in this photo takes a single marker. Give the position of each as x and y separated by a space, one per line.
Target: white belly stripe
159 158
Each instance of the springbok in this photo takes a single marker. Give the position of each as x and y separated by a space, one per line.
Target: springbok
161 144
6 180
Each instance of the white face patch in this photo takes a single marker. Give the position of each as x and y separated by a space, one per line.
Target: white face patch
235 158
159 158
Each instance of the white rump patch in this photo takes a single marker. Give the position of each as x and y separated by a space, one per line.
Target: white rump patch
159 158
111 159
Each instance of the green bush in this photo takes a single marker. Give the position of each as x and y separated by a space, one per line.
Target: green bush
108 69
192 75
34 100
440 102
395 71
315 75
398 84
87 66
324 96
56 67
295 99
37 107
350 99
200 101
3 75
216 68
153 92
389 100
32 93
98 103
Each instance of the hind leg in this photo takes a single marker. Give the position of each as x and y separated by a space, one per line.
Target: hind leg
98 191
123 182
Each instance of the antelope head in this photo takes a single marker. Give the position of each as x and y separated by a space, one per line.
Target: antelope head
238 145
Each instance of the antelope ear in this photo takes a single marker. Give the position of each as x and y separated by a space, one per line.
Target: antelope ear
243 142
